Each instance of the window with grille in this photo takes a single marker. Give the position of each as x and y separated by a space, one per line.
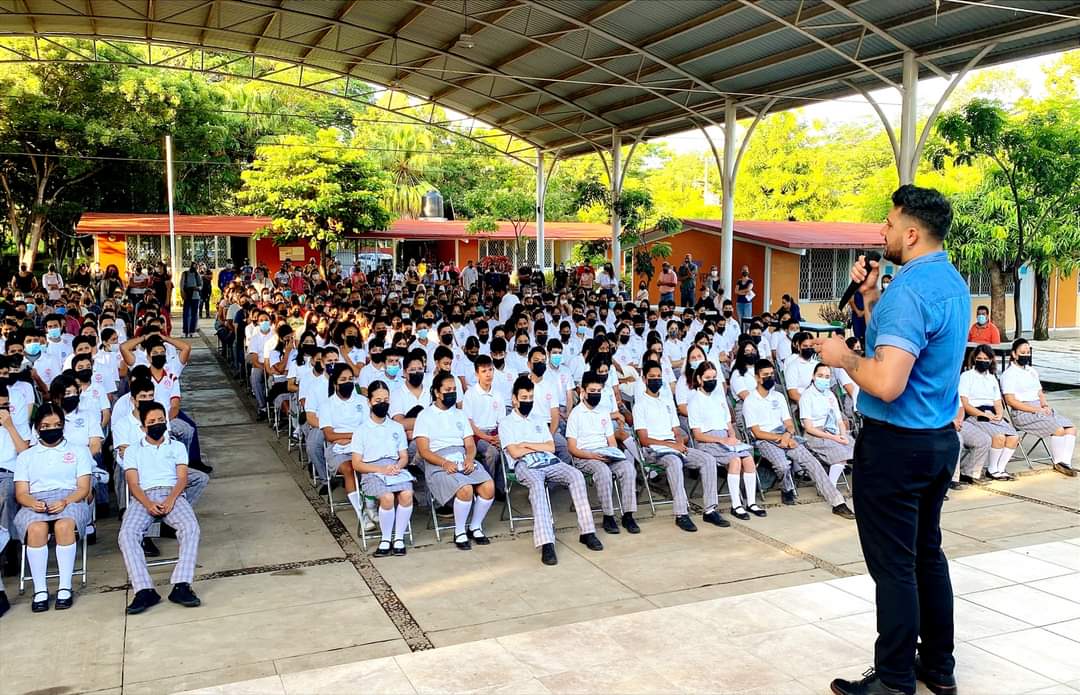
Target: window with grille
979 283
211 250
144 249
505 247
824 274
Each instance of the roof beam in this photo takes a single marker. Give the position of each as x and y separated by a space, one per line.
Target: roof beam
880 32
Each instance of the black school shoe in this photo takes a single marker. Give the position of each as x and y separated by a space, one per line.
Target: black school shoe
590 541
715 519
144 598
842 510
464 543
740 513
42 605
684 522
383 550
787 496
4 603
630 523
935 681
547 554
149 548
62 604
1065 469
609 524
398 547
182 594
972 481
869 685
757 510
478 537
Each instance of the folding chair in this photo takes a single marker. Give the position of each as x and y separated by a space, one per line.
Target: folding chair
657 470
1047 460
360 520
511 480
79 572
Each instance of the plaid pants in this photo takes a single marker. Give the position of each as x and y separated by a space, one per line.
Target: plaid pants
536 479
673 467
137 521
975 444
800 456
602 473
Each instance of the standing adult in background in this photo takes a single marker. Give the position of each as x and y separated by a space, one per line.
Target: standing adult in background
907 450
207 289
24 280
110 283
744 294
226 275
191 295
52 282
82 276
984 330
688 273
792 307
560 277
666 283
857 304
468 276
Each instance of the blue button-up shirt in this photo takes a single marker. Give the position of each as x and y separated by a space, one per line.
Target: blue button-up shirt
925 312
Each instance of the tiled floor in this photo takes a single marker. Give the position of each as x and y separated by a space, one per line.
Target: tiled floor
1017 615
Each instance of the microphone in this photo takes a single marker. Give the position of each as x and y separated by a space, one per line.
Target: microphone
853 287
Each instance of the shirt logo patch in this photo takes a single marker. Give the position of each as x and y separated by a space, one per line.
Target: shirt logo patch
69 458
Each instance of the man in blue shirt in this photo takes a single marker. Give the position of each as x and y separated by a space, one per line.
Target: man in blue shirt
907 450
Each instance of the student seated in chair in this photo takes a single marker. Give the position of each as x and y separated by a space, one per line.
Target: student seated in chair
528 442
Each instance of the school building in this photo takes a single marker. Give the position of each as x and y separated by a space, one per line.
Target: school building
808 260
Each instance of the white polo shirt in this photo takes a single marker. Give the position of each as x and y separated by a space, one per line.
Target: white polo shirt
313 392
442 428
343 417
504 383
48 367
708 411
155 463
8 454
544 399
768 413
980 389
369 374
53 468
590 427
657 416
515 429
484 408
402 400
1021 382
375 440
743 382
798 373
816 405
562 380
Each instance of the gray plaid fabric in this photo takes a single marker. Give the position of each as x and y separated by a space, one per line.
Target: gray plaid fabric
830 451
1037 423
783 459
137 521
673 467
974 449
602 473
536 480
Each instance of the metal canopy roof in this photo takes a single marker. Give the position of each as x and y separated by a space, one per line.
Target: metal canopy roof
562 75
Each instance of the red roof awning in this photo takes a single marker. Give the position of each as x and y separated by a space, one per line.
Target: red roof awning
799 235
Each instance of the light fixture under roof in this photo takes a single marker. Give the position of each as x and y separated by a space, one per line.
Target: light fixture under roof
465 41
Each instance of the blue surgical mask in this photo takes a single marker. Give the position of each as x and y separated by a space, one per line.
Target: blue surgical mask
821 384
54 333
286 293
30 307
61 310
422 334
32 348
981 319
694 364
611 305
582 330
556 360
264 326
392 370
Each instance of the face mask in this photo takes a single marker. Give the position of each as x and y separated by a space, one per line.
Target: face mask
611 305
1023 360
449 399
980 319
709 385
62 310
556 360
639 330
32 349
483 337
499 363
539 368
654 385
624 339
821 384
54 333
982 366
30 306
806 353
52 436
377 358
156 432
69 403
392 370
422 334
345 390
525 407
756 339
380 409
446 339
84 374
768 384
264 326
593 399
521 348
694 364
317 367
158 361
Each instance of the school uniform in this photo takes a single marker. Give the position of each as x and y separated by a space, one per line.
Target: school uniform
769 413
515 429
48 367
156 465
256 343
485 410
975 448
799 373
1025 385
503 383
658 417
445 431
52 473
21 399
545 398
379 443
982 391
590 428
463 369
126 429
342 417
823 410
370 373
8 455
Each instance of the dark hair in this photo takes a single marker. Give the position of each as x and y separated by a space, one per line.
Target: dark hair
522 383
592 377
140 386
377 385
61 383
702 368
332 376
45 409
985 351
536 349
926 205
83 340
147 407
1019 343
498 345
482 361
983 307
650 365
762 364
437 381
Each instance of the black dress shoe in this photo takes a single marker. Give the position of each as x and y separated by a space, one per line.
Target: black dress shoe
149 548
62 604
144 598
4 604
843 511
462 542
547 554
685 523
1065 469
715 519
590 541
787 496
91 537
869 685
740 513
398 547
972 481
202 466
42 605
630 523
957 485
477 536
609 524
182 594
935 681
757 510
383 550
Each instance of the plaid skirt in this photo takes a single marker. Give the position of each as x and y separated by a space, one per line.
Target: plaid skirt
830 451
374 486
78 512
992 428
1038 423
443 486
722 453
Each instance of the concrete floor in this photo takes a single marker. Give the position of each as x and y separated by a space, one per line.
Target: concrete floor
286 587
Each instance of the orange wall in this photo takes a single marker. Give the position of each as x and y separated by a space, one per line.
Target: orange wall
266 251
785 278
752 255
1063 301
705 248
112 252
468 251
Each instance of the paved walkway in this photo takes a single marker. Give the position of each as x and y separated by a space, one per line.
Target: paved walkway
1017 617
286 588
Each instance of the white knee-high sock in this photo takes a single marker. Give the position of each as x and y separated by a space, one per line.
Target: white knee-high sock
461 514
386 522
401 521
38 559
65 563
733 490
1057 449
354 500
1069 448
993 460
835 470
1006 456
480 510
749 481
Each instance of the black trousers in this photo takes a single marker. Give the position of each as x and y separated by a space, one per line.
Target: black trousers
900 479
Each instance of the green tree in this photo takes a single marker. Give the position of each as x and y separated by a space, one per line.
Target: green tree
513 205
315 191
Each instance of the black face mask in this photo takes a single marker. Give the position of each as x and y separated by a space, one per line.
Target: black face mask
541 338
982 366
525 407
654 385
728 313
156 432
756 339
593 399
499 363
521 348
564 337
624 339
84 375
416 378
377 358
317 367
539 368
345 390
806 353
446 338
352 341
69 403
483 337
1023 360
640 330
768 384
449 399
709 385
380 409
52 436
158 361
